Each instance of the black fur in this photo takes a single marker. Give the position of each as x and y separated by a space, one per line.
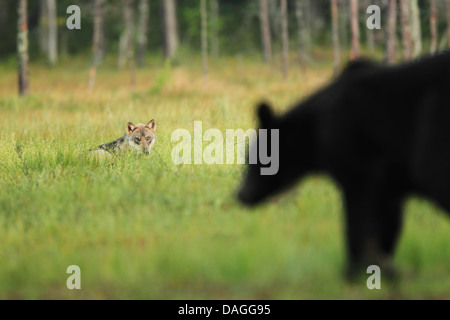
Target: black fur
382 133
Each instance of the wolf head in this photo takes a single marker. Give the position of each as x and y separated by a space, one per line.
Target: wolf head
295 155
141 137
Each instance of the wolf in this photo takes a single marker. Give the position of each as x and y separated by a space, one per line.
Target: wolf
138 138
382 133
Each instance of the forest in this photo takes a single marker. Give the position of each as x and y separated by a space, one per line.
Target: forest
75 73
130 30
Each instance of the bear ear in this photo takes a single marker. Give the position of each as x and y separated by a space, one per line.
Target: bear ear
265 115
130 127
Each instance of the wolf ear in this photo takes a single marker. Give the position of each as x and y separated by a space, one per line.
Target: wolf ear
265 115
130 127
151 125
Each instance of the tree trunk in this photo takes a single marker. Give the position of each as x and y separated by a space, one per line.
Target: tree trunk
265 30
129 20
335 31
284 37
170 28
343 22
52 40
433 29
370 39
391 44
355 52
96 52
214 27
204 35
406 29
142 32
22 47
416 29
447 10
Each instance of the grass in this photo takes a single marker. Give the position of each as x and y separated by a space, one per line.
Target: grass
145 228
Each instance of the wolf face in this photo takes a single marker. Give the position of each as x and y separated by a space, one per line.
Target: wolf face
141 137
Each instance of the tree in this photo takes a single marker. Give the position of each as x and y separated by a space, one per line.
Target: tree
96 52
265 30
204 36
284 37
433 29
170 28
415 29
335 31
142 31
52 35
22 47
214 23
391 43
447 10
406 29
355 51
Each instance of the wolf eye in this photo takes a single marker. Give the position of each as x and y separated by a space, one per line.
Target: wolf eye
148 138
137 140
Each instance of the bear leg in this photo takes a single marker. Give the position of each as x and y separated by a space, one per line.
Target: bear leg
373 223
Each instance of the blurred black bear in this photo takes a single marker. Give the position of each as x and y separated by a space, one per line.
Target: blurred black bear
382 133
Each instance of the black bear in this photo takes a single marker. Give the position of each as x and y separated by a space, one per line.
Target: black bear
382 133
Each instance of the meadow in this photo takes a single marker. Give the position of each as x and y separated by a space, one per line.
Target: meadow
144 228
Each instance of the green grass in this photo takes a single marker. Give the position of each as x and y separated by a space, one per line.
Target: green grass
142 227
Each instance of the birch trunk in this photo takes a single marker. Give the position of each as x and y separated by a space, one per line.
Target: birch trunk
265 30
406 29
170 28
22 47
96 52
284 38
142 32
335 31
391 45
355 51
370 39
433 28
416 30
52 40
447 14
